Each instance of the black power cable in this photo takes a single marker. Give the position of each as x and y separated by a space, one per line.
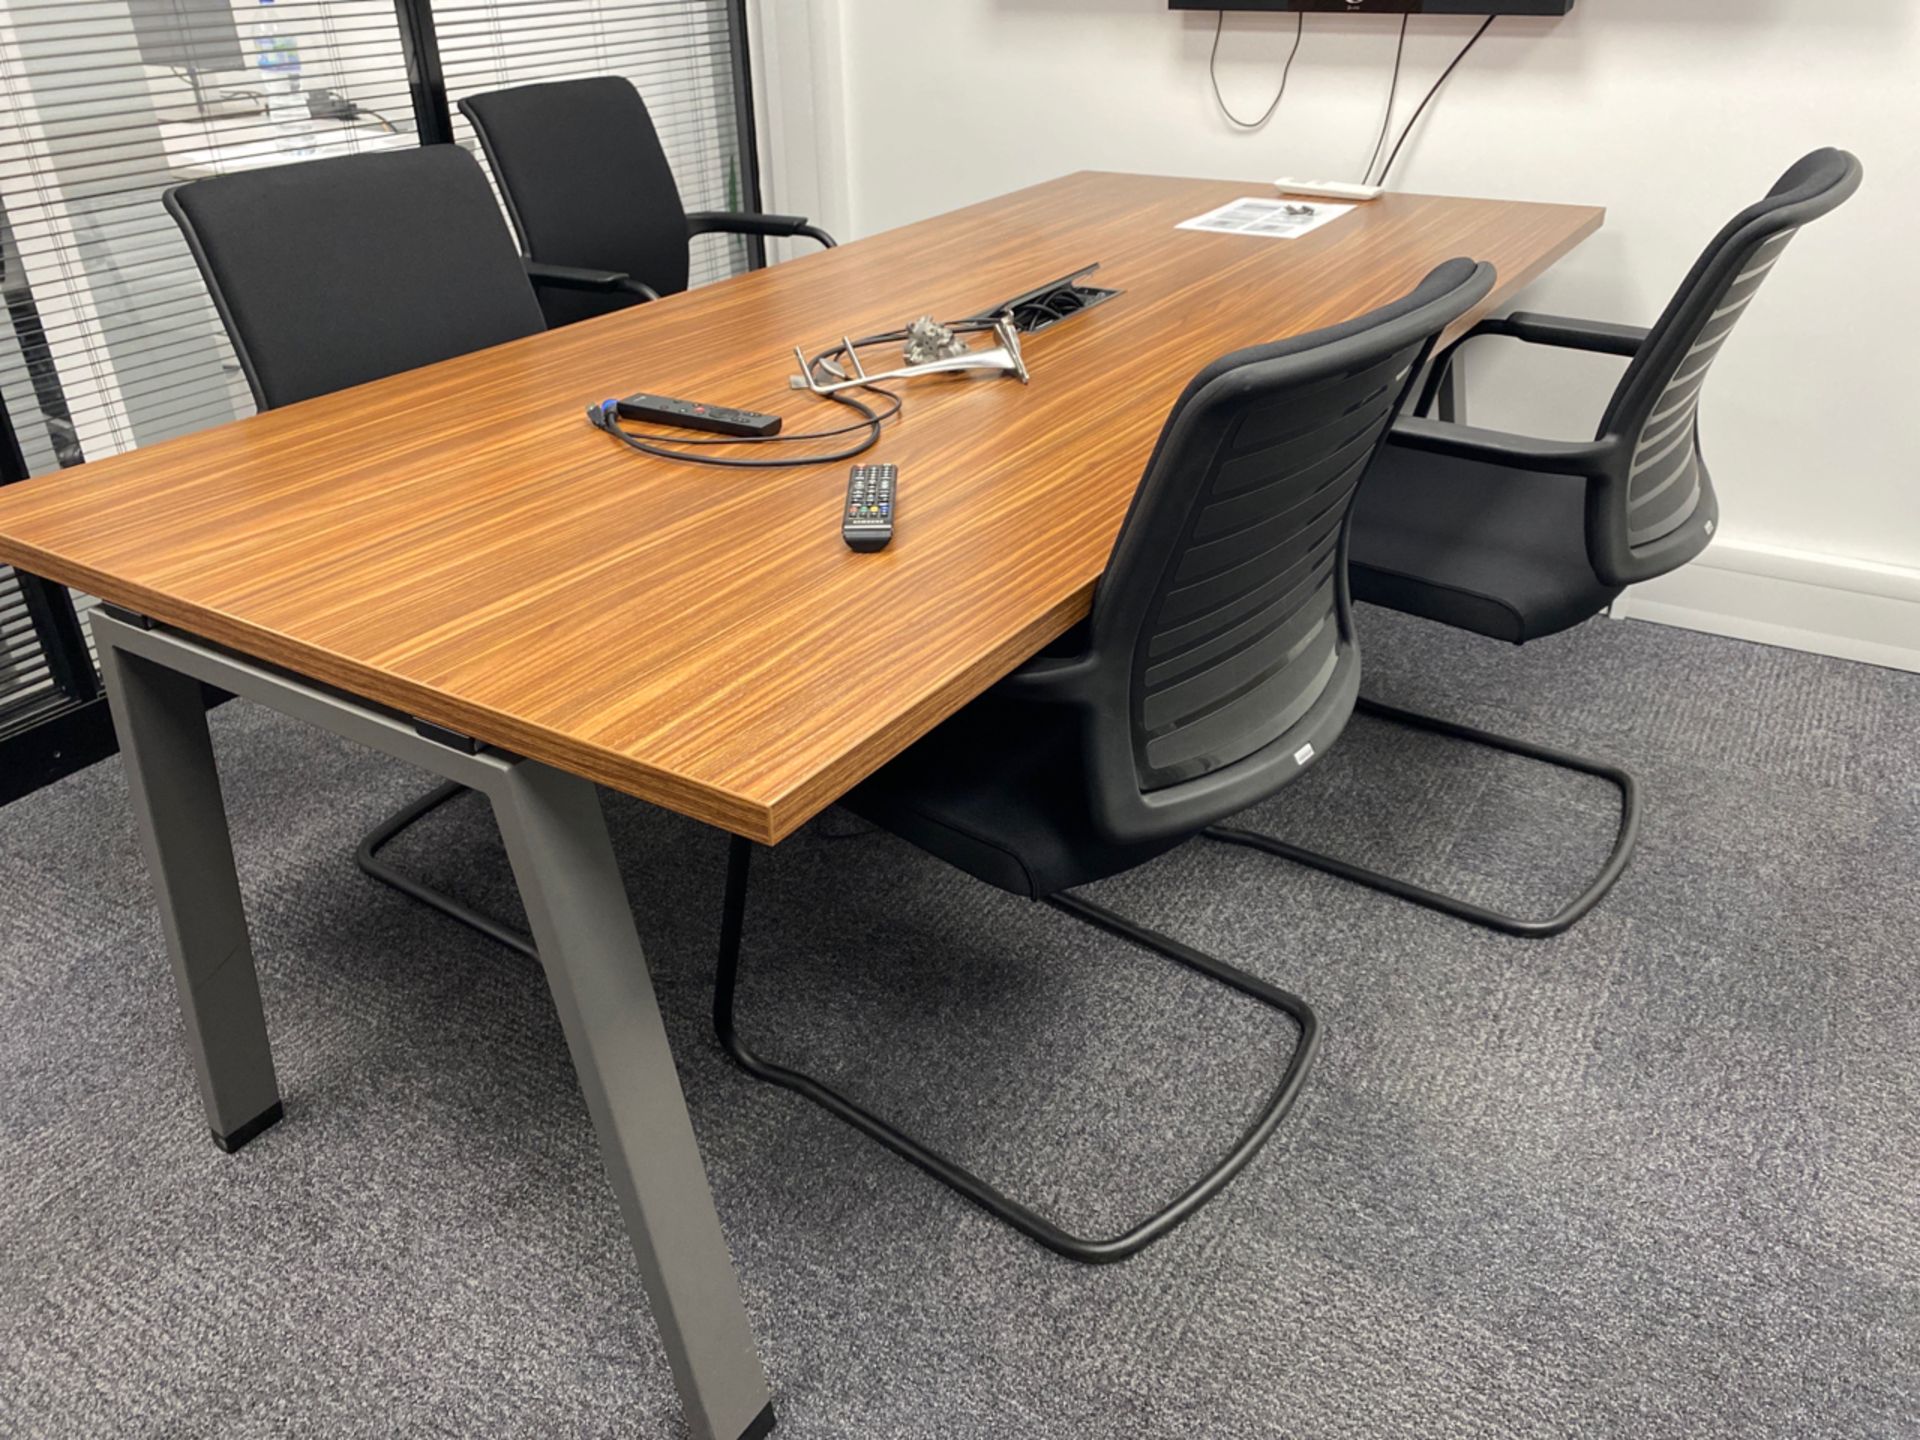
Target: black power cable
1393 94
1421 109
1213 73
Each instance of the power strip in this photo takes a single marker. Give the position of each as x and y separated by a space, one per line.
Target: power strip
1327 189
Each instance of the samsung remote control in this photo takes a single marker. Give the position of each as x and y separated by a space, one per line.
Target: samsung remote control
696 415
867 522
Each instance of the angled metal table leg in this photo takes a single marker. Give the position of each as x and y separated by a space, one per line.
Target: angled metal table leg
168 757
556 837
563 859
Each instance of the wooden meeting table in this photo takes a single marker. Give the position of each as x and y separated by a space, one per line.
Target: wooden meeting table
452 566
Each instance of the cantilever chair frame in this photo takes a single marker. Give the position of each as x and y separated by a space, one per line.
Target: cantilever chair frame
1447 437
1131 800
1606 464
1626 835
957 1177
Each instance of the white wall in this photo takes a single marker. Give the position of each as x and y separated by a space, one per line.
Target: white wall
1672 113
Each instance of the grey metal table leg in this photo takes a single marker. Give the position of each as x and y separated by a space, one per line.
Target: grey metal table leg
168 757
563 859
556 837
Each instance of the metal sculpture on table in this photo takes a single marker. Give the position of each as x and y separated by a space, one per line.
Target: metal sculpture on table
930 348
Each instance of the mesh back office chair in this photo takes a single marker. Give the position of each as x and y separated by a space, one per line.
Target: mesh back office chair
331 273
590 192
1516 538
1219 660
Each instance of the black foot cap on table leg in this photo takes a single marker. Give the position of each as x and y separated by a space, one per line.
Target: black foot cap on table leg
762 1425
260 1123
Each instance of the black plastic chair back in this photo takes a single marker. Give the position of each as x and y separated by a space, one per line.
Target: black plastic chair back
587 183
330 273
1222 645
1658 510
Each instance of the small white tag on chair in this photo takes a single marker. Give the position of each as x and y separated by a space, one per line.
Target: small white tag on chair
1303 754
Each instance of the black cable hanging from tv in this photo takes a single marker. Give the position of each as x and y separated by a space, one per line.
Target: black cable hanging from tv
1393 94
1213 72
1420 109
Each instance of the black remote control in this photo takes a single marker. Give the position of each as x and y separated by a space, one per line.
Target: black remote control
696 415
867 523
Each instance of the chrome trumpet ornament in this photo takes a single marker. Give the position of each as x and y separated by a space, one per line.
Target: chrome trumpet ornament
931 349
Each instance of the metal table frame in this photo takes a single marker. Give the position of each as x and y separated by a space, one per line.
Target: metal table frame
563 862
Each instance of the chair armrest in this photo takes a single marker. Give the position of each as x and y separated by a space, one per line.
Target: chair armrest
1587 459
577 277
1562 331
749 222
1567 332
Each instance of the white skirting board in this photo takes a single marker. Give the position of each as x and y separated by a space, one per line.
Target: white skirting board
1828 604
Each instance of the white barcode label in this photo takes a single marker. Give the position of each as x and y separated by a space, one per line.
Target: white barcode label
1303 754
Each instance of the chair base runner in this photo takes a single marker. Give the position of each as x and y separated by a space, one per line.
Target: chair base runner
1624 841
1036 1227
368 858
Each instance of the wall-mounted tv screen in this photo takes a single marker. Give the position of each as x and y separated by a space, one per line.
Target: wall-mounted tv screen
1388 7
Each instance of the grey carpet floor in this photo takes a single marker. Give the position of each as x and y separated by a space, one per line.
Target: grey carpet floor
1658 1177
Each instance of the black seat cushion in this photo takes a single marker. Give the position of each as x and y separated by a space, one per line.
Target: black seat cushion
1000 791
1480 547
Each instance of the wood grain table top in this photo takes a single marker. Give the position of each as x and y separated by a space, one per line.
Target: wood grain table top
459 544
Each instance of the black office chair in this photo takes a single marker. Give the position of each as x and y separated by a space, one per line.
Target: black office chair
592 197
331 273
1219 660
1516 538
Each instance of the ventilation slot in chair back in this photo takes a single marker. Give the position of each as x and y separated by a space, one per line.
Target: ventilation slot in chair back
1664 514
1222 630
